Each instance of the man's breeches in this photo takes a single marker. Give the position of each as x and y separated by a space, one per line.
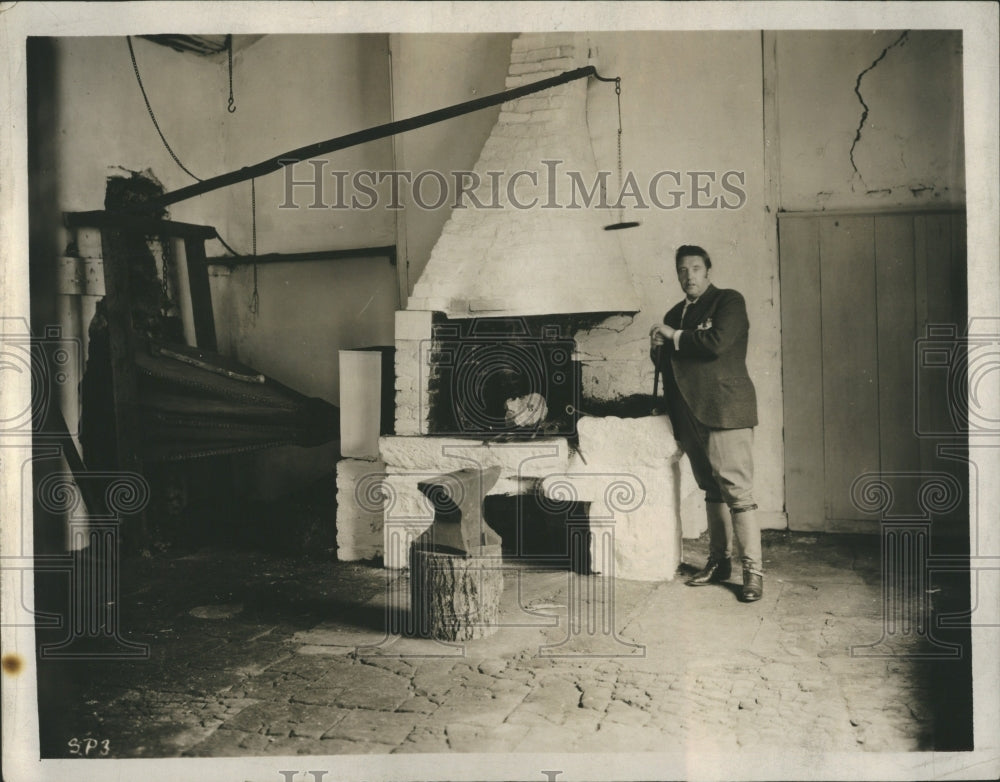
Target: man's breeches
722 462
721 459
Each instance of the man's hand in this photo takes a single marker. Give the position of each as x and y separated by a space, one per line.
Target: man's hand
660 334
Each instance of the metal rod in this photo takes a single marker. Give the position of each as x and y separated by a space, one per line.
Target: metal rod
387 251
352 139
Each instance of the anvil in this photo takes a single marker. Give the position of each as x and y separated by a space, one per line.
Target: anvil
458 526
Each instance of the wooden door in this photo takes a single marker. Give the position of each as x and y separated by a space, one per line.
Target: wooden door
858 293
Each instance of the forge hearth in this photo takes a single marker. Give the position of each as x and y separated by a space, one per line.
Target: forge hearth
625 473
502 376
623 470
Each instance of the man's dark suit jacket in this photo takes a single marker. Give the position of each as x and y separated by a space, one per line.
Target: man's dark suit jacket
710 368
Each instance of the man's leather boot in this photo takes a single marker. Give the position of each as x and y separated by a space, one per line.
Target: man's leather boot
720 541
753 586
715 570
748 533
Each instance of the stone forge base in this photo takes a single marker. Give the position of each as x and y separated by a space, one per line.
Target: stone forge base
359 509
628 469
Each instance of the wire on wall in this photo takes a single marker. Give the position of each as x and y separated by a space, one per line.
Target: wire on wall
152 116
255 298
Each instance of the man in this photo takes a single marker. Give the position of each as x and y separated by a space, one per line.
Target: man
701 352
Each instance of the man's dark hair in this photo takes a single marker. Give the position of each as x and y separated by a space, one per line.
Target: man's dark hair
692 249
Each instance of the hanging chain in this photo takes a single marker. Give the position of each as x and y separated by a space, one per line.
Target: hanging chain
166 248
152 116
255 296
232 100
621 183
618 92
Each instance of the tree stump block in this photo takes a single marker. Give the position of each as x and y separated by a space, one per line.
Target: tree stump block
456 579
453 597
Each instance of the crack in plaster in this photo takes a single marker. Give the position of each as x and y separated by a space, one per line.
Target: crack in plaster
864 106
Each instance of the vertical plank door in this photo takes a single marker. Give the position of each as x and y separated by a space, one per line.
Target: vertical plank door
802 368
859 292
850 360
899 449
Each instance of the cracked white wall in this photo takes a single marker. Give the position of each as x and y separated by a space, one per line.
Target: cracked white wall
870 120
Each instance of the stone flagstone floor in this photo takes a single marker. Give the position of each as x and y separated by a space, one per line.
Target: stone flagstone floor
260 655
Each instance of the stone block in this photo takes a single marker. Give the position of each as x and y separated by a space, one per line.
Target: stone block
407 403
413 324
408 426
360 508
408 360
617 443
405 504
644 544
436 455
518 81
407 422
533 103
360 402
692 501
547 53
407 353
635 529
630 479
558 63
528 66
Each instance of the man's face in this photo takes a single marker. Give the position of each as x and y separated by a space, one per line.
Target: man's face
692 274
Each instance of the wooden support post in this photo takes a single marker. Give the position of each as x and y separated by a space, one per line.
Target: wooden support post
121 340
201 293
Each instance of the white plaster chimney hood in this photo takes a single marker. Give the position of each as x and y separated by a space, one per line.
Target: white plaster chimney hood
542 260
